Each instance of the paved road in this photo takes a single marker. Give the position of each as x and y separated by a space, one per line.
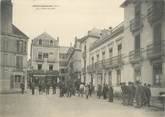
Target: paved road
17 105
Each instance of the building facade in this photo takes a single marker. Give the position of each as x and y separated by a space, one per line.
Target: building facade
132 51
106 54
13 51
144 27
44 59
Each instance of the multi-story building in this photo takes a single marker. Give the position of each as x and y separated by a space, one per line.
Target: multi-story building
86 41
74 61
144 42
106 58
132 51
44 58
13 51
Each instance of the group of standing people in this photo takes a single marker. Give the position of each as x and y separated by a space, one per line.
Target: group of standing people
136 92
43 87
106 91
130 92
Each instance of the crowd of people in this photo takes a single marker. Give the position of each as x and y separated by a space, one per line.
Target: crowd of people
130 92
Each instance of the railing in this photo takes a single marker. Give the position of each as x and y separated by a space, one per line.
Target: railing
99 65
155 13
45 72
113 62
136 24
156 50
39 60
51 61
135 55
91 68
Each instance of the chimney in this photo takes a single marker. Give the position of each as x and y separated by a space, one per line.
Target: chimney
6 16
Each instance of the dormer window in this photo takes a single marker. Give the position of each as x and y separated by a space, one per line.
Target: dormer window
40 42
51 42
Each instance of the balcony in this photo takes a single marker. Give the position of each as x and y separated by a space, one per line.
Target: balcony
39 59
51 61
135 56
113 62
156 50
91 68
155 12
136 24
43 72
99 65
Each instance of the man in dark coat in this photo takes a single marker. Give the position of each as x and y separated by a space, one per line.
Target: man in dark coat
47 88
148 94
110 93
105 90
99 91
124 89
54 85
33 88
131 91
22 86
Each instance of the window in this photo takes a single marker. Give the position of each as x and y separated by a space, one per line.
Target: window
137 73
45 55
137 42
118 77
39 55
97 57
157 74
51 42
110 78
119 47
19 62
103 55
110 52
50 67
40 42
19 46
39 66
92 60
157 34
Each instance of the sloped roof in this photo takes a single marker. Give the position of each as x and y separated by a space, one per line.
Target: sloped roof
16 31
45 35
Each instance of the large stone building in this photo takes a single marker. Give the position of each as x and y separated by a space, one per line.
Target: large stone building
105 58
13 51
144 27
44 58
132 51
86 41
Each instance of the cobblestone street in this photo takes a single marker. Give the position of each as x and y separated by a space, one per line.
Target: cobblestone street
17 105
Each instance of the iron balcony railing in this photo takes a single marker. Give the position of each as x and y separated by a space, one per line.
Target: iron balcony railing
39 59
155 12
136 24
135 55
51 61
156 50
91 68
113 62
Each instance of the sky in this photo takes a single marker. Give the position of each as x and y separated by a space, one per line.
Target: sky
68 19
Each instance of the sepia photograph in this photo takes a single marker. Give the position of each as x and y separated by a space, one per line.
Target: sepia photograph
82 58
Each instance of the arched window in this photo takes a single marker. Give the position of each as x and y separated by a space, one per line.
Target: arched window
40 42
51 42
